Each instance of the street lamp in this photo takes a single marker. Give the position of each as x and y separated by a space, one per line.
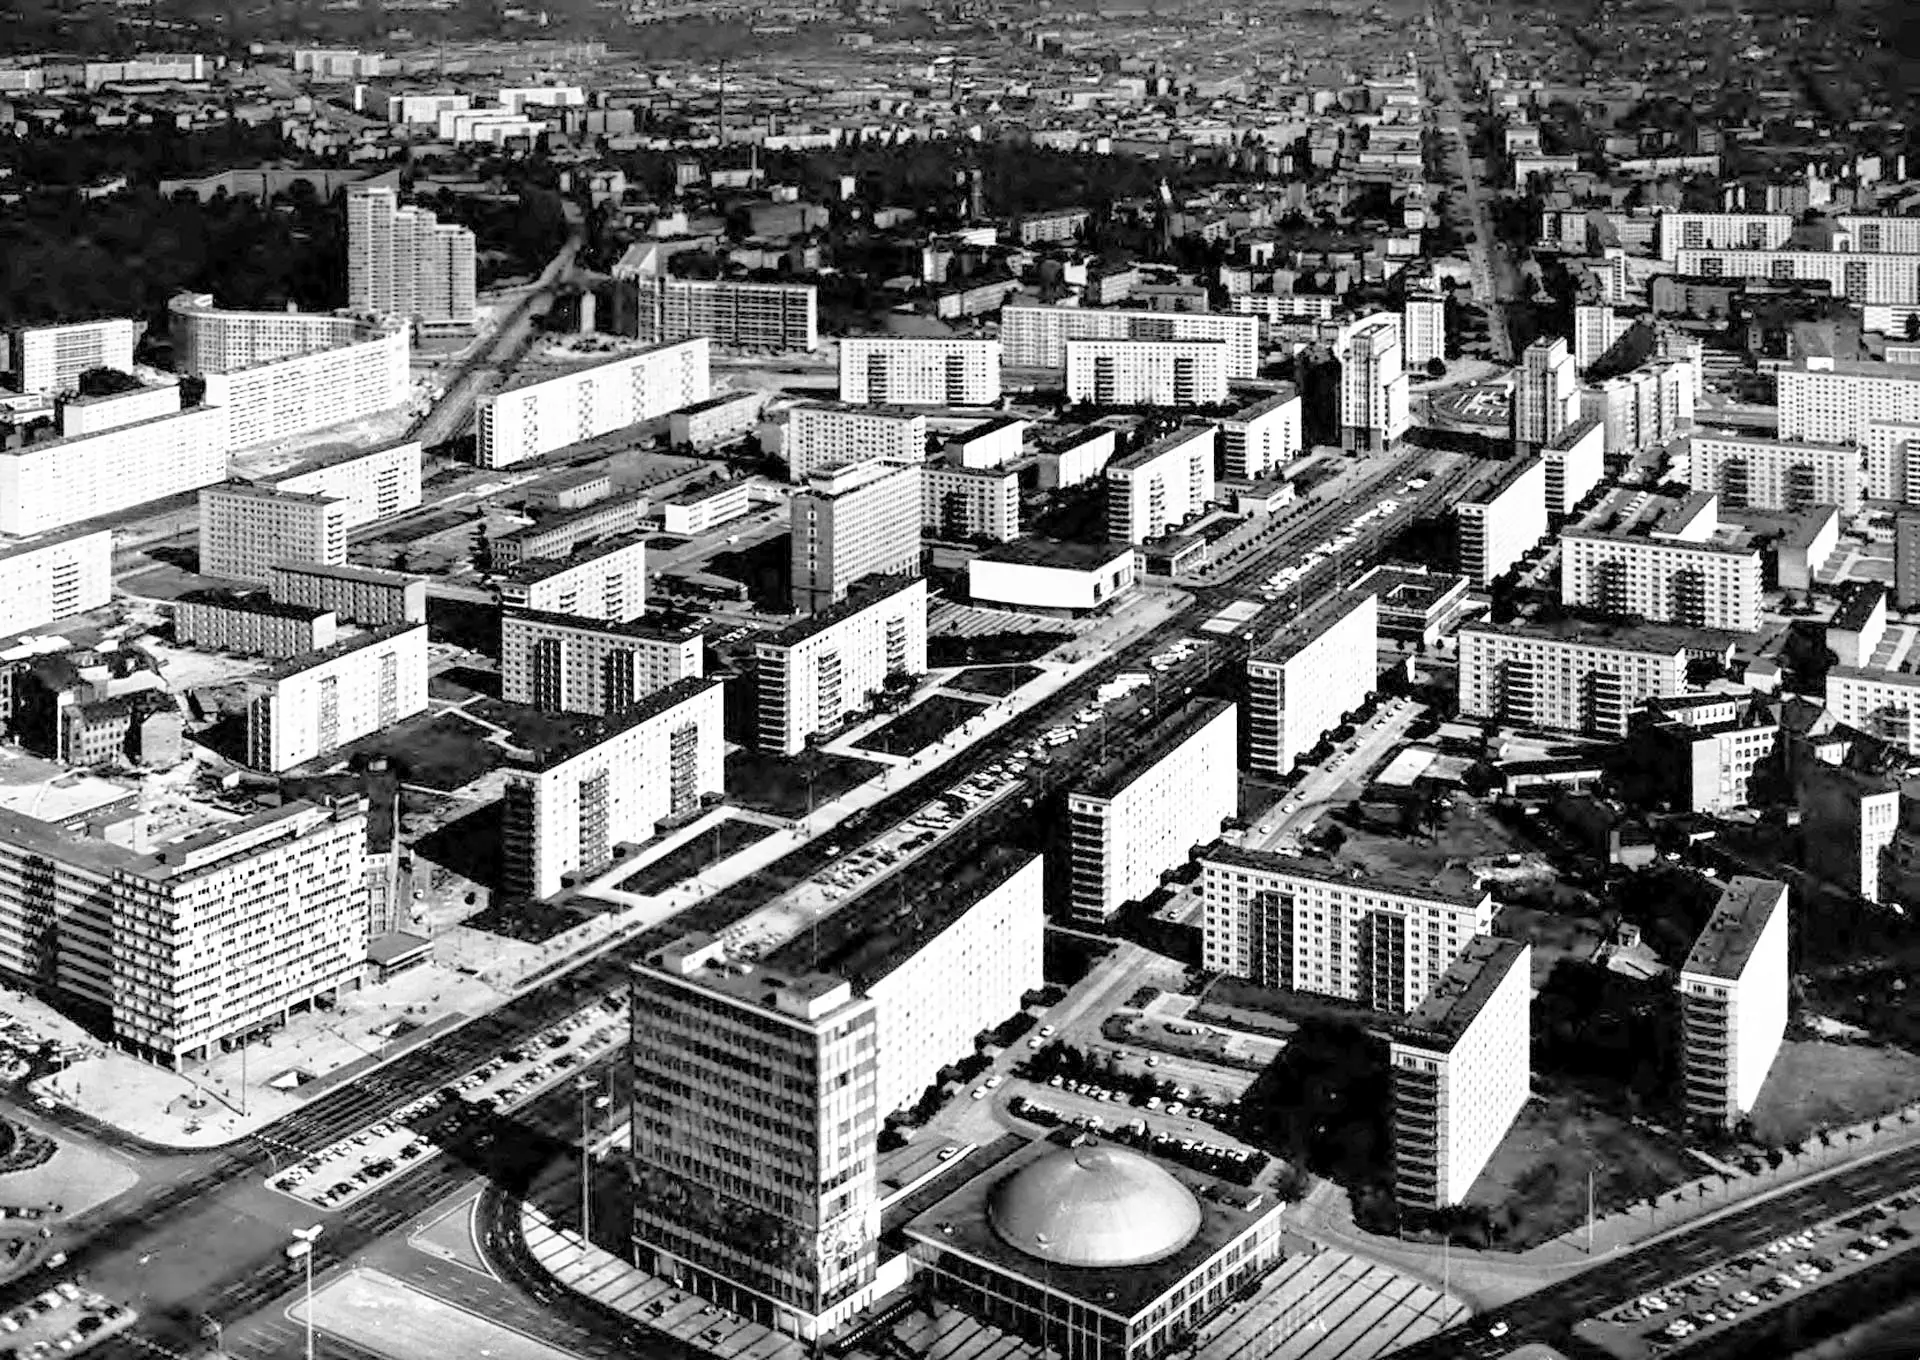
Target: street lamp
301 1249
586 1086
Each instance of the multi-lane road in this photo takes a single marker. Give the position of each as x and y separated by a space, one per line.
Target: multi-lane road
1450 55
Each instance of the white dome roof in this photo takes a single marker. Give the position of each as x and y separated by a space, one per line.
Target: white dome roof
1094 1206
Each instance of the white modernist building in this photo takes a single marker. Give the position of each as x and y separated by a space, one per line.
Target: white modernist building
404 262
567 664
657 760
1568 676
1881 703
526 422
1597 328
1260 439
371 486
1373 383
884 370
1684 569
55 578
811 674
246 529
821 436
1301 681
1310 926
57 482
48 358
1051 578
283 398
210 339
1500 523
850 523
1683 231
1423 319
1862 278
1645 408
1576 461
1461 1072
607 579
1774 474
1733 997
78 415
1036 337
759 316
1546 395
1835 401
961 503
310 705
1155 490
1147 372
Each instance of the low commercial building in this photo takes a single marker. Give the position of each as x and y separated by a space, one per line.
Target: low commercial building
1147 372
614 782
1306 677
55 578
961 504
567 664
372 486
364 595
1576 460
1263 438
563 492
702 509
822 436
812 673
1500 523
1382 940
1773 474
1570 675
715 421
245 529
537 418
1142 813
53 483
606 580
251 624
1155 490
1681 567
902 371
1044 577
560 536
1733 997
310 705
1460 1072
1417 605
990 444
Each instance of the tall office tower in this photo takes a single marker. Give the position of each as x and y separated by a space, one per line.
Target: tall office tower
1597 328
755 1125
403 262
1424 317
1733 997
853 522
1461 1072
1546 395
49 358
1373 384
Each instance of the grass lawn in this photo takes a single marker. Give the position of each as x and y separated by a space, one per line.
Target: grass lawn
1817 1084
440 752
685 861
1536 1180
1554 935
921 726
1235 1003
997 681
1468 831
778 784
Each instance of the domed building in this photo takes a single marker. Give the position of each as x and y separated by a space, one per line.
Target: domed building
1094 1250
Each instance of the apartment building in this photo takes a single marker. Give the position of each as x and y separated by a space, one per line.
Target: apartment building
759 1087
1848 820
561 536
606 580
1705 753
1154 490
1836 401
1273 308
852 522
370 486
1260 439
1147 372
287 397
1142 813
1423 320
775 317
1546 395
567 664
1906 560
47 359
246 529
1502 521
1461 1072
888 370
364 595
1883 704
1373 384
1062 224
1862 278
1733 998
187 943
812 673
1772 474
77 415
53 483
1038 337
251 625
1685 568
1597 328
210 339
716 421
310 705
1379 939
821 436
990 444
1891 470
960 504
1874 235
1569 675
1576 461
404 262
1645 408
612 782
54 578
1305 678
1072 454
1679 232
538 417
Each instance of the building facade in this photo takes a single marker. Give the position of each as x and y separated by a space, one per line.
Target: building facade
1037 337
364 595
820 436
1302 682
57 482
48 358
1576 461
372 486
246 529
1771 474
404 262
962 503
1701 584
1423 320
1154 490
539 417
1829 401
556 537
251 625
1862 278
883 371
1570 678
1733 998
1678 232
316 703
1546 395
54 579
567 664
758 316
1373 383
813 673
607 580
1261 439
1501 523
852 522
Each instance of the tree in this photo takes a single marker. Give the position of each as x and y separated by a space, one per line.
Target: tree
1436 368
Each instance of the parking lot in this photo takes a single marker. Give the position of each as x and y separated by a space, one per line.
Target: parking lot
1691 1309
63 1321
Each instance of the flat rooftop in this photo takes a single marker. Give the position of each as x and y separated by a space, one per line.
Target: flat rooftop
1165 444
1457 998
1573 434
1861 368
1662 639
179 856
1732 932
1858 600
876 412
254 492
694 495
1303 629
540 379
1267 405
1454 883
1047 552
251 602
587 516
1410 590
868 936
306 661
863 595
647 627
725 399
757 983
987 428
1138 750
346 571
589 732
535 570
1510 474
